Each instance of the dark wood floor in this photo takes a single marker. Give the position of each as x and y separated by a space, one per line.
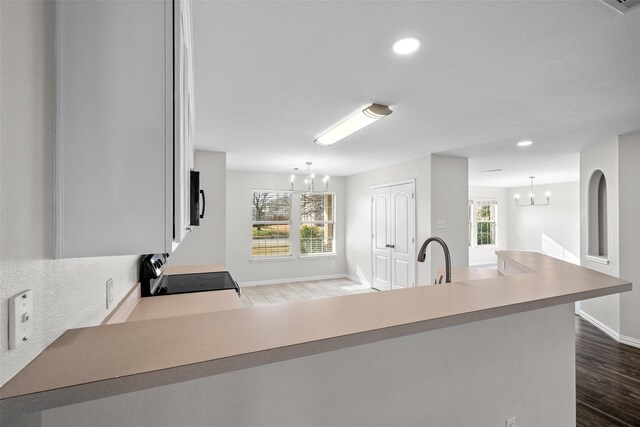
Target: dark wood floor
607 379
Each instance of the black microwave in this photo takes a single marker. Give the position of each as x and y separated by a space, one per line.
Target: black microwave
195 214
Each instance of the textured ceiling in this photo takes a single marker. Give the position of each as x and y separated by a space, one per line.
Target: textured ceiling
272 76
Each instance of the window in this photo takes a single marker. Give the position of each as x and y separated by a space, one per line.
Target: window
470 219
271 224
486 222
317 223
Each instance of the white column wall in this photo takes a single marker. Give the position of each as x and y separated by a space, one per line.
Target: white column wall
630 234
449 199
603 156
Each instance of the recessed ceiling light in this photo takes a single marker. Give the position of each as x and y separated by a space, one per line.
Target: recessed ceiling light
406 46
524 143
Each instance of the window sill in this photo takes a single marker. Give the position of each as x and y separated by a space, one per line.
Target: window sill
599 259
327 255
272 259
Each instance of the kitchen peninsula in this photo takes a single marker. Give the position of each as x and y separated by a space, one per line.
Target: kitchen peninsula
455 354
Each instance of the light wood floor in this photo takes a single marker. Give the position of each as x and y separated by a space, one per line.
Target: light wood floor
287 292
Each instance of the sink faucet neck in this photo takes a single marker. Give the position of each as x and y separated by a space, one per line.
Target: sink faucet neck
422 255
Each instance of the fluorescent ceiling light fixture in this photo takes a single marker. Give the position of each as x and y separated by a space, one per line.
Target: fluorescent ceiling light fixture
524 143
354 123
406 46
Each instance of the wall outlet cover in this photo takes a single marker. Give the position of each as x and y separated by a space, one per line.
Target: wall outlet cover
441 224
20 318
510 422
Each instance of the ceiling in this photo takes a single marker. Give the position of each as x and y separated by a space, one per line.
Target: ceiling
272 76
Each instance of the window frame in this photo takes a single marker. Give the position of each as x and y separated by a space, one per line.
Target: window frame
324 222
470 222
472 208
477 204
273 222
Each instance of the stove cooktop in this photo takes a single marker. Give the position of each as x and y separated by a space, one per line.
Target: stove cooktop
197 282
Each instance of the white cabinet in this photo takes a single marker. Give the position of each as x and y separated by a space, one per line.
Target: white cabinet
119 158
184 119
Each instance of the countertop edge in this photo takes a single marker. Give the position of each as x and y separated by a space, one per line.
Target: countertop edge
18 404
22 404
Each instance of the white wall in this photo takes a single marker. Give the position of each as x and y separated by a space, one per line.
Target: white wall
68 293
479 255
629 162
239 190
358 211
604 157
478 374
449 198
206 243
559 221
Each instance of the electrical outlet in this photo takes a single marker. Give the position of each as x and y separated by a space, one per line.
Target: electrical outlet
333 263
20 318
441 223
510 422
109 293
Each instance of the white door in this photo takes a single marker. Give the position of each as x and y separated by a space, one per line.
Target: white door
380 199
402 248
393 236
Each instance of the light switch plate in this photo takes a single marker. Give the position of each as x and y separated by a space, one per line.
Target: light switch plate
20 318
441 223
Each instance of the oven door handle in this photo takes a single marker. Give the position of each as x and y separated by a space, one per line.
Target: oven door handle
203 204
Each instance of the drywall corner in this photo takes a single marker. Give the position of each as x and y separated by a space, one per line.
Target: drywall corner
449 199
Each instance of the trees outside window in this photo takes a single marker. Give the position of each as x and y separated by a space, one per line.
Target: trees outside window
271 224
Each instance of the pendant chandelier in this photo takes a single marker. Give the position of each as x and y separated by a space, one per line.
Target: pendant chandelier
532 197
310 182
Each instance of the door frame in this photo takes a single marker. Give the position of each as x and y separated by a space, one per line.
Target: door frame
411 181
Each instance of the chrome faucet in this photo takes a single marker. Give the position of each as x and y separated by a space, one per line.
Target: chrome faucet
422 255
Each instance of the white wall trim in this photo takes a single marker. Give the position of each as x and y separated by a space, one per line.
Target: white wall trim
634 342
601 260
297 279
394 183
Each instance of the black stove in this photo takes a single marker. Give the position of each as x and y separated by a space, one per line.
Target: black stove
153 282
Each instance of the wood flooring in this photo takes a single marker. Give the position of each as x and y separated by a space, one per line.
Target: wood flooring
607 379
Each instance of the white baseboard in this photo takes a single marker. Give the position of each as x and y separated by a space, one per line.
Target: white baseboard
609 331
294 279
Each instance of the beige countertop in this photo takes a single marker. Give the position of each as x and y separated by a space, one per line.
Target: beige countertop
90 363
134 308
463 274
184 304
